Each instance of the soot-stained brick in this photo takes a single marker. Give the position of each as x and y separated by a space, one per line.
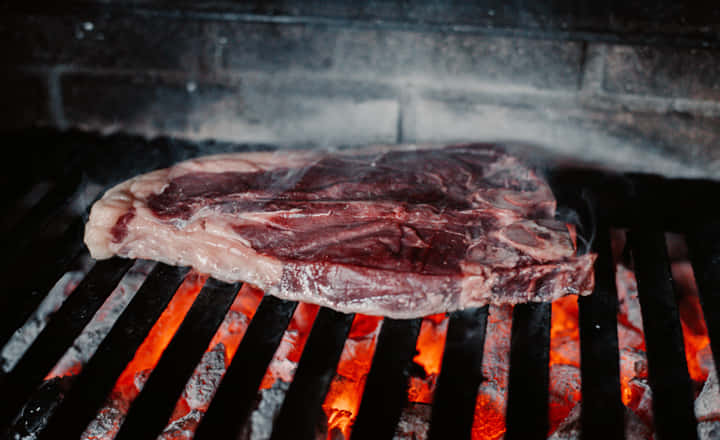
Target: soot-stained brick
255 110
140 104
663 72
96 40
401 56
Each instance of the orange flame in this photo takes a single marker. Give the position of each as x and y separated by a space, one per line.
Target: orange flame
343 398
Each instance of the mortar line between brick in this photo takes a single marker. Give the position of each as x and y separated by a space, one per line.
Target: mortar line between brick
400 121
56 107
583 64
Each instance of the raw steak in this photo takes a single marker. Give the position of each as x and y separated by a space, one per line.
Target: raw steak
396 232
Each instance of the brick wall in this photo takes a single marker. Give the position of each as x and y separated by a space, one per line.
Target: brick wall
309 78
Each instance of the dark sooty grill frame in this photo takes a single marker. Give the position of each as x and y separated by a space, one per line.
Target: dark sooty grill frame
38 252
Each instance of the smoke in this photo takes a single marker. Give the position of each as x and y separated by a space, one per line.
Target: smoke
583 216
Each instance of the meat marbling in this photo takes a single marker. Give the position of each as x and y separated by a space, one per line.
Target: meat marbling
396 232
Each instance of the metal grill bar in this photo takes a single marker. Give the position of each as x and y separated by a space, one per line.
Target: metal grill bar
704 246
230 408
29 227
13 192
461 374
59 334
30 278
603 413
150 412
386 387
673 412
527 406
97 378
302 409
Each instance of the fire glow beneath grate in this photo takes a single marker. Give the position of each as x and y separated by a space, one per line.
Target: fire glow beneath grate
343 398
345 392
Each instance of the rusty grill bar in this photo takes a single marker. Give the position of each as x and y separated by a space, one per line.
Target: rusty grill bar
41 260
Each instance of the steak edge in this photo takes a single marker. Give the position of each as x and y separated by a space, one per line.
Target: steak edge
383 231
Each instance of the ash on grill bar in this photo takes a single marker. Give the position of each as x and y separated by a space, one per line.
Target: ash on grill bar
617 106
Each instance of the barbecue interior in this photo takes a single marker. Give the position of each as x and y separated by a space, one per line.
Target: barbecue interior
345 390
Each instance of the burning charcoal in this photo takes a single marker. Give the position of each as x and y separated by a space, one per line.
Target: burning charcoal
345 392
140 378
182 428
414 422
262 418
569 429
633 364
641 401
709 430
489 419
496 355
427 362
629 337
203 383
695 334
105 425
629 304
564 392
38 409
707 404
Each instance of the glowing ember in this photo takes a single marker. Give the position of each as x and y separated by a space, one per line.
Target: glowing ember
343 398
132 379
489 418
564 360
161 333
430 346
565 332
241 313
288 353
697 342
207 376
631 341
489 422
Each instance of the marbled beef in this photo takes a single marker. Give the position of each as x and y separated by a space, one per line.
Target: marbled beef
398 232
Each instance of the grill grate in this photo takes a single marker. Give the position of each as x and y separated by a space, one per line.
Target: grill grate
602 410
301 410
631 201
117 349
460 376
151 410
231 406
667 368
385 389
